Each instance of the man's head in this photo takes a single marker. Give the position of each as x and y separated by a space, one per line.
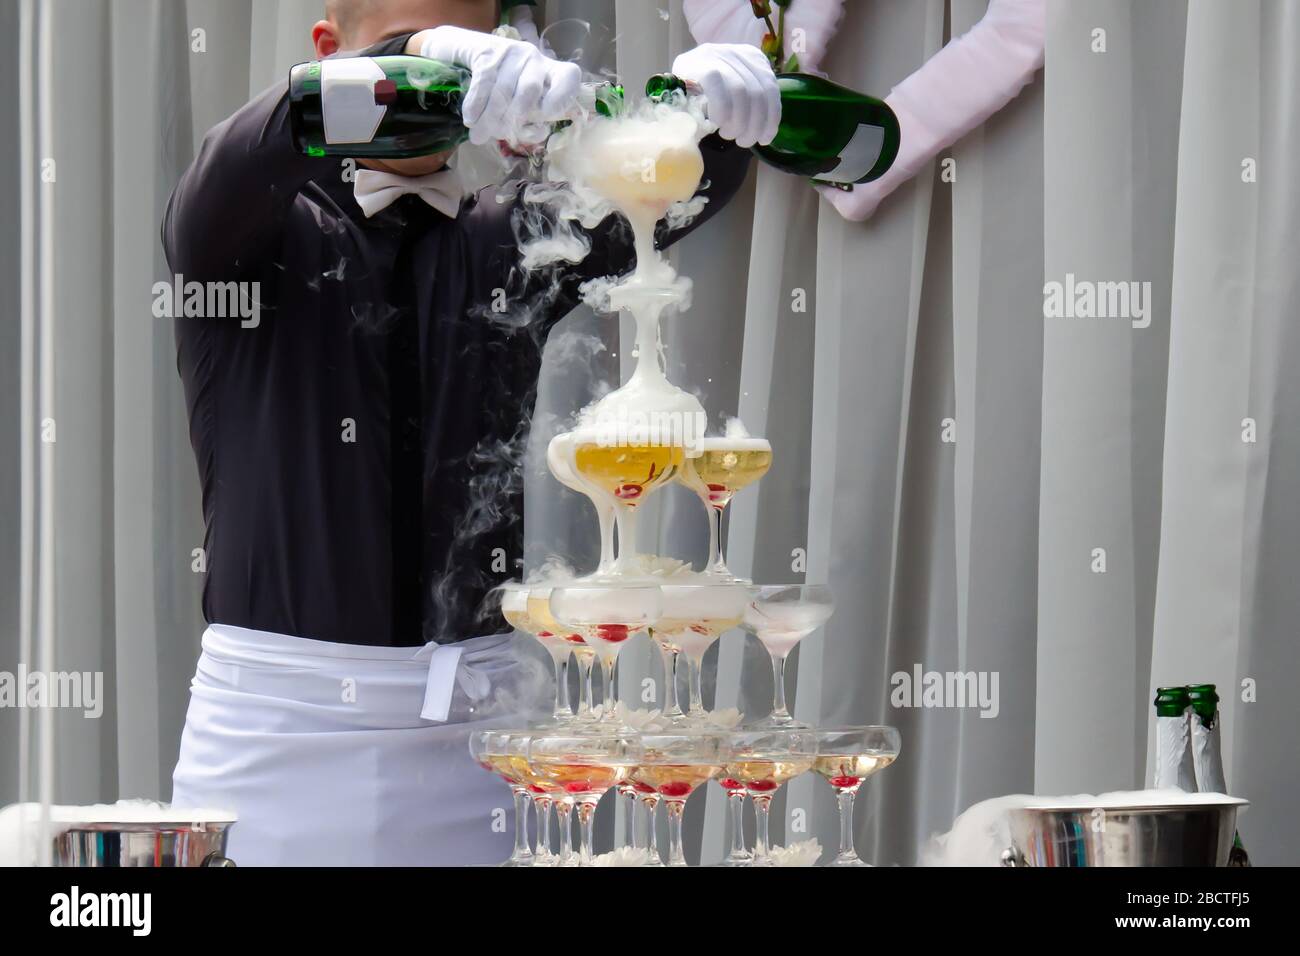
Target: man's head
356 24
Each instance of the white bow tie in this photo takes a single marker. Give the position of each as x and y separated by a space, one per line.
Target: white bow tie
375 190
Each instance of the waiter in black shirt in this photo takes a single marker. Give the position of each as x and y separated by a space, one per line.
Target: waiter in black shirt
344 439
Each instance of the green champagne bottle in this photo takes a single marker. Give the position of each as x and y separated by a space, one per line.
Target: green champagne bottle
829 133
1207 756
389 107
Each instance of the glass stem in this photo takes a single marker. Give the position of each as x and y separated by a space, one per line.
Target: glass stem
543 825
676 809
629 831
717 564
587 822
611 691
584 685
652 837
522 850
605 515
563 809
695 679
562 709
761 806
778 688
736 810
634 812
625 517
845 798
671 708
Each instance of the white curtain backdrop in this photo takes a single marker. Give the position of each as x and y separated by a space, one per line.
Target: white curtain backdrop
1083 508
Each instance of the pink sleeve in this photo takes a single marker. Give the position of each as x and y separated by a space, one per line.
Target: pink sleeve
954 91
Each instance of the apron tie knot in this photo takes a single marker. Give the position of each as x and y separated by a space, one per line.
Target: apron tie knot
468 665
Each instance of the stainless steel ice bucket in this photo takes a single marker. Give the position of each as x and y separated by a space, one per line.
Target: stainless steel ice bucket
1191 834
143 844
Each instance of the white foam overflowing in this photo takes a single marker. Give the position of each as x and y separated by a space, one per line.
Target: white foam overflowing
735 429
734 443
641 164
646 165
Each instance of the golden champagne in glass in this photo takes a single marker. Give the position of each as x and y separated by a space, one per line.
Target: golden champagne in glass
720 468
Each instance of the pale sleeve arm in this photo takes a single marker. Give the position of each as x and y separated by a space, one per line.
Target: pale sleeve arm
953 92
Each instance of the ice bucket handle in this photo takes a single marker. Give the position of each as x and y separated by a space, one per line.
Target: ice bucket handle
1013 857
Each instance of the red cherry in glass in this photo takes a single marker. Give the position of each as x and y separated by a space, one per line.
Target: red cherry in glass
614 633
676 789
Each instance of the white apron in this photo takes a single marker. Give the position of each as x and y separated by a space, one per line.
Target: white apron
322 750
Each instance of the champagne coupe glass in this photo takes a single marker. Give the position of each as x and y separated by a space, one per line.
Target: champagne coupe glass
673 764
694 616
780 616
540 616
761 760
669 652
584 765
606 615
846 757
542 792
721 468
491 750
627 457
518 607
560 459
545 787
629 471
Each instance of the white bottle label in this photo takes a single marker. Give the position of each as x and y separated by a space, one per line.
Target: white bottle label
347 97
857 158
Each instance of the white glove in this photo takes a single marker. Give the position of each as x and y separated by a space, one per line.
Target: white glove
809 25
737 80
523 27
511 82
954 91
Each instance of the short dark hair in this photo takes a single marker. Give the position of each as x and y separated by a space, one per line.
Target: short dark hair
347 13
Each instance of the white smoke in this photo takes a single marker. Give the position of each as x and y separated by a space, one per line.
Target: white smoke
554 568
735 428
